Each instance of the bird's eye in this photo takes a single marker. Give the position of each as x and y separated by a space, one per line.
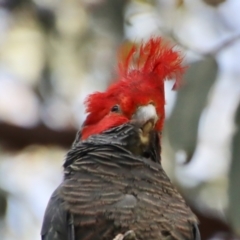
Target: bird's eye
115 108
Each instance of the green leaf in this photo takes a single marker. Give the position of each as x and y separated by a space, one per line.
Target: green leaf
182 125
234 180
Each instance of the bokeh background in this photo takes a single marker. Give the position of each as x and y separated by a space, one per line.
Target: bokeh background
55 52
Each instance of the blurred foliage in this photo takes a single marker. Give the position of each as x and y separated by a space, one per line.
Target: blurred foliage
3 203
234 179
191 100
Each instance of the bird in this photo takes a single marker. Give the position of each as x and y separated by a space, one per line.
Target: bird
114 186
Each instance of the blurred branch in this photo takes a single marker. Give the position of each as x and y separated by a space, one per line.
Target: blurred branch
214 3
213 50
17 137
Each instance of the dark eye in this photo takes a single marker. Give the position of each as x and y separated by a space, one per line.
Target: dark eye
115 108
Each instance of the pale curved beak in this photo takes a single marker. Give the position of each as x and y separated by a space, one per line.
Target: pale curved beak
147 117
146 113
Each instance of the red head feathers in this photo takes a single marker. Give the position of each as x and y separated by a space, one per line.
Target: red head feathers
140 82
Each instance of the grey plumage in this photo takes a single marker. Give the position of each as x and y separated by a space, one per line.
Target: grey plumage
113 184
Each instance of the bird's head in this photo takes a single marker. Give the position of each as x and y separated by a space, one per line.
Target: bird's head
138 94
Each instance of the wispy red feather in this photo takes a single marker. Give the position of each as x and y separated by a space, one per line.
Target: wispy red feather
153 57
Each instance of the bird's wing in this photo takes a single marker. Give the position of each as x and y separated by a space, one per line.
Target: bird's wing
55 221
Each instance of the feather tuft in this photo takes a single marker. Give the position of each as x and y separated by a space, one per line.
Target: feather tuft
155 57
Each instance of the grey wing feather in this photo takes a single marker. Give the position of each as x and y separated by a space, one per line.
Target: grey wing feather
55 221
